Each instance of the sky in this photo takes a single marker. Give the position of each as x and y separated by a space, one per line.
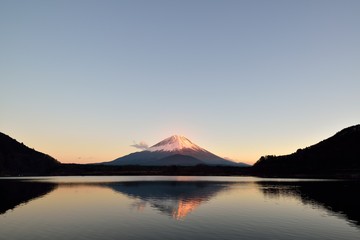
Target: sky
84 80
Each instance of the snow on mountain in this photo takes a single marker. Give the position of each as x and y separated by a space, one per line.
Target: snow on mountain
175 143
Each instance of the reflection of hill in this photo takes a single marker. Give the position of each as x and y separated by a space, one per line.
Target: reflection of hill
14 193
339 197
176 199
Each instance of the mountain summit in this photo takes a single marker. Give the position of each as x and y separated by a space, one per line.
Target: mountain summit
174 143
174 150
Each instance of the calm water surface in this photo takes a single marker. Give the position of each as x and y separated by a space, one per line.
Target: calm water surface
177 208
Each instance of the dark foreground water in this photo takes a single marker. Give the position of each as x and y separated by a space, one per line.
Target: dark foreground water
178 208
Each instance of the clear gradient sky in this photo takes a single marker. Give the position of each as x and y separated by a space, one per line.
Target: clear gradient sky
84 80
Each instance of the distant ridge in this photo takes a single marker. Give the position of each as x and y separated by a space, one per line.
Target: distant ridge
18 159
341 151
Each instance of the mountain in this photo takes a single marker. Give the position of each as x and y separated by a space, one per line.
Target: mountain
18 159
172 146
339 152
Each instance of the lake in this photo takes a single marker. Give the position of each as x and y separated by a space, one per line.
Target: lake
178 207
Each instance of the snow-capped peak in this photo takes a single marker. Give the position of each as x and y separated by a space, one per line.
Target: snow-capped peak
174 143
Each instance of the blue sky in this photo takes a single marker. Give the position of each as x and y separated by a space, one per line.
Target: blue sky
83 80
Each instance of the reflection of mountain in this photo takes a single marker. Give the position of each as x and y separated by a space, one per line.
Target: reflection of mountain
340 197
176 199
14 193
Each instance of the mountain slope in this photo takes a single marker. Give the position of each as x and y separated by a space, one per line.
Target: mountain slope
171 146
16 158
178 160
341 151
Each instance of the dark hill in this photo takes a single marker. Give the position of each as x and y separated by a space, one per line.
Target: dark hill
18 159
339 152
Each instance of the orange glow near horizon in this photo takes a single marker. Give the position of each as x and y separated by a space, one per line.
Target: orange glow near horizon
103 147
